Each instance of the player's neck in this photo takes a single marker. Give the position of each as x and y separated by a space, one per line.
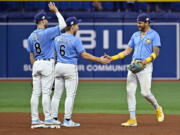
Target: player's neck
69 32
40 26
146 30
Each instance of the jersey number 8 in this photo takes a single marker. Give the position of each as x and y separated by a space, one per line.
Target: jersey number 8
62 50
37 47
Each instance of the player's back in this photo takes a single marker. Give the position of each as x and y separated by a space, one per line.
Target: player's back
40 42
68 48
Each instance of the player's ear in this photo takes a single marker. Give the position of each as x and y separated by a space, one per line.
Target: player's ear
43 22
72 27
147 23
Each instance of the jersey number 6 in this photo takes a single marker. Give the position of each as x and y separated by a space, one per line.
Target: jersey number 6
62 50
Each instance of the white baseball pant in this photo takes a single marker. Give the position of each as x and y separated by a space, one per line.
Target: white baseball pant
43 77
66 76
144 77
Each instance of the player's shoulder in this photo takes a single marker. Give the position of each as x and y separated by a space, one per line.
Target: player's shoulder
136 34
52 28
34 35
58 38
70 37
61 37
77 39
153 31
31 35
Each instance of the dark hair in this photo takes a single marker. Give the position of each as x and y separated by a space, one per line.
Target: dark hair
68 28
38 22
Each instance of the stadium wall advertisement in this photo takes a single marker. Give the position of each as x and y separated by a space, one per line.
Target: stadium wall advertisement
97 38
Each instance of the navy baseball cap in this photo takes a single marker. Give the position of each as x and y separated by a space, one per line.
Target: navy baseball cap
72 21
143 17
41 16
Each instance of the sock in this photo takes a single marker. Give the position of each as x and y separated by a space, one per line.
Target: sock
132 114
156 106
152 100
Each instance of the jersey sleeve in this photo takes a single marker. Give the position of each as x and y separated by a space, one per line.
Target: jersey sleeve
131 42
156 41
79 46
53 32
29 47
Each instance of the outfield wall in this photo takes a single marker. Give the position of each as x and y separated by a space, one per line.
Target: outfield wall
98 38
100 34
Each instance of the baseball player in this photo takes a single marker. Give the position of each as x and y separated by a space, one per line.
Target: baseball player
68 48
42 58
146 45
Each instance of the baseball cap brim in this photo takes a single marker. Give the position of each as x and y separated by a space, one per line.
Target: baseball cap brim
79 20
143 17
41 16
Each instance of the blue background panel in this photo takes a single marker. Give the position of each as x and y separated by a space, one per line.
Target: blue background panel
3 50
16 63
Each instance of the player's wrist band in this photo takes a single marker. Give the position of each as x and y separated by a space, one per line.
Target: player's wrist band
118 56
151 57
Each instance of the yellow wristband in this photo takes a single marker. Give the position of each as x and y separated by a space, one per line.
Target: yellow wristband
118 56
154 56
151 58
115 57
121 55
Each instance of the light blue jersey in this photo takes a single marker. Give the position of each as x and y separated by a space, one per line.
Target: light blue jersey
40 42
68 48
143 47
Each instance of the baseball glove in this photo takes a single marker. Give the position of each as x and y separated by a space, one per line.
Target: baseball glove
136 67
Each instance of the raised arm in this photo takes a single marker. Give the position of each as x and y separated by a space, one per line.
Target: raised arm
53 8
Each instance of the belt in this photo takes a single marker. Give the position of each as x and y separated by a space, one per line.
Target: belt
135 60
44 59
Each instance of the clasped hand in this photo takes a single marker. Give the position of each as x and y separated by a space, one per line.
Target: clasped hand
106 59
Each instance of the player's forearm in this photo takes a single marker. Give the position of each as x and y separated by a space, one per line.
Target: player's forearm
153 55
122 54
62 23
156 50
90 57
151 58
